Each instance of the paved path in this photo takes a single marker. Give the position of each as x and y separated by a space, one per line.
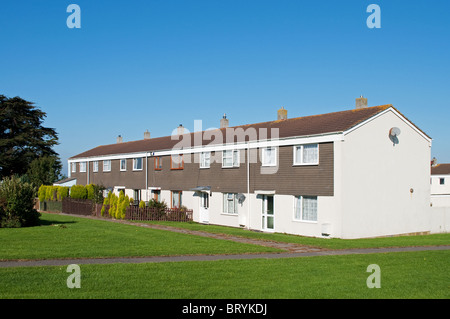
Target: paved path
289 250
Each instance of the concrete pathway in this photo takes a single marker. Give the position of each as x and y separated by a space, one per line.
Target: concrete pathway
289 250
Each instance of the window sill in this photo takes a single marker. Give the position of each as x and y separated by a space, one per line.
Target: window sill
305 221
306 164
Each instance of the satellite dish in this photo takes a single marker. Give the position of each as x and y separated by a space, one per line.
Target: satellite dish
393 134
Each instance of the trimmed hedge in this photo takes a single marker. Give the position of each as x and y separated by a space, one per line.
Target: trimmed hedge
52 193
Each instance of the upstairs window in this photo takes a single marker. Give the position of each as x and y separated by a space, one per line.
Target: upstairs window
107 166
442 181
307 154
83 167
137 164
269 156
158 163
74 167
95 166
123 165
205 159
176 162
230 158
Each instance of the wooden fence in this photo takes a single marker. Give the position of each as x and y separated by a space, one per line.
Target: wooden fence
88 207
168 214
77 206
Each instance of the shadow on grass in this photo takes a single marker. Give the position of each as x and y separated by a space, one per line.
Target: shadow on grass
48 222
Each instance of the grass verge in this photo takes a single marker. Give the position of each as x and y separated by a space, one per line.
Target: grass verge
330 243
402 275
62 236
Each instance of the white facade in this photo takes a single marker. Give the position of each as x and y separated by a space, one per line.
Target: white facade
380 188
384 187
440 190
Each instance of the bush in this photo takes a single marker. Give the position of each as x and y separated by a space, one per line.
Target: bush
17 203
52 193
159 207
62 192
141 204
117 205
78 192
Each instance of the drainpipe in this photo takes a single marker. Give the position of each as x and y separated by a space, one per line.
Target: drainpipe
87 168
146 177
248 185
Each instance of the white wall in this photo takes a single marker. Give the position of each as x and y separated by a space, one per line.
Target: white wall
437 188
440 220
377 177
285 223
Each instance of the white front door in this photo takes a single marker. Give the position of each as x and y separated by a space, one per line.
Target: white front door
204 207
267 213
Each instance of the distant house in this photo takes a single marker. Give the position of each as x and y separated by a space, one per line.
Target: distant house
357 173
68 182
440 185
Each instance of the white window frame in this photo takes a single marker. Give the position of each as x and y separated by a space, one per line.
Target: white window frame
235 160
135 161
74 167
123 160
264 156
107 165
95 166
226 198
301 218
300 162
205 159
82 167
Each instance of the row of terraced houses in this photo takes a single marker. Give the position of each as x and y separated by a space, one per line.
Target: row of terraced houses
362 172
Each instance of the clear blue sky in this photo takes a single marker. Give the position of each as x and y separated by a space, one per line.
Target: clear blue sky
137 65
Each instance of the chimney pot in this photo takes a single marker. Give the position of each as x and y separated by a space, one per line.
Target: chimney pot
119 139
361 102
146 135
282 114
224 121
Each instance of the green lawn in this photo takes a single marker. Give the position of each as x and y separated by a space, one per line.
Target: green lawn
331 243
403 275
62 236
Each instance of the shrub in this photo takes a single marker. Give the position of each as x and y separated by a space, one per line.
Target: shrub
41 193
78 192
159 207
17 203
90 191
62 192
117 205
141 204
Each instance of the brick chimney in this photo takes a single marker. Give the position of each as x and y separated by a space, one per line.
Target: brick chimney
224 121
146 135
282 114
119 139
361 102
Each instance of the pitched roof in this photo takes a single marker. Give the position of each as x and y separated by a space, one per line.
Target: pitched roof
301 126
440 169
